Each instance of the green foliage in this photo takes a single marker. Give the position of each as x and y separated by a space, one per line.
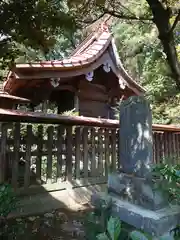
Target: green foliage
70 113
113 230
8 200
13 230
34 22
141 50
35 30
142 54
137 235
101 225
169 180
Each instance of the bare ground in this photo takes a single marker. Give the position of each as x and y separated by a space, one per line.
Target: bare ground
56 225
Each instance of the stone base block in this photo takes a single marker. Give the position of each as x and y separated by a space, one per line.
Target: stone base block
139 191
157 223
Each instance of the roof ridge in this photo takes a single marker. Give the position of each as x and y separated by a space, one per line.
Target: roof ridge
92 36
84 42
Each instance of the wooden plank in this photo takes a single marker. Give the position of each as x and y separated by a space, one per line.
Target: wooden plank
35 141
113 147
16 159
163 146
100 152
39 153
59 145
20 116
3 152
169 147
114 168
93 152
69 153
50 132
85 151
166 146
28 157
107 153
158 145
77 151
162 150
154 149
178 147
174 153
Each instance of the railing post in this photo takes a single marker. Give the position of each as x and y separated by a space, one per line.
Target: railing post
3 152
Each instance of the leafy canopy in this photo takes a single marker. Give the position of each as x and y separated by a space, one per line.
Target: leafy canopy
34 30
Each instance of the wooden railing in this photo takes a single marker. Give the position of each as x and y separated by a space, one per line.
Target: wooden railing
166 146
52 156
47 152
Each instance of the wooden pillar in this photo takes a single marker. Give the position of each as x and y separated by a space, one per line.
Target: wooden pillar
59 109
3 152
76 103
31 106
44 106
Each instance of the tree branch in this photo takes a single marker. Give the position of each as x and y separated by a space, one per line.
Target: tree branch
121 15
93 20
175 22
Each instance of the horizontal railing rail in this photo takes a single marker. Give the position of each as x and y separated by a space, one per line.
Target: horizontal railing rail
45 152
36 117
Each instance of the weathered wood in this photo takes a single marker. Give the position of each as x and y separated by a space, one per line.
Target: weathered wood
28 157
69 153
169 147
19 116
167 143
59 143
3 152
93 152
177 139
107 153
39 153
162 146
15 161
117 164
154 148
158 144
85 152
173 147
100 152
113 147
77 151
50 132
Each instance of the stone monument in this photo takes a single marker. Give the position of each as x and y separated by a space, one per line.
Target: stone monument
131 189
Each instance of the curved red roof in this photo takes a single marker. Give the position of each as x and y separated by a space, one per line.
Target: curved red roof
91 50
88 52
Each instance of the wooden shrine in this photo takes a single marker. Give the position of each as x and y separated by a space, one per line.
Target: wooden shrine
92 80
8 101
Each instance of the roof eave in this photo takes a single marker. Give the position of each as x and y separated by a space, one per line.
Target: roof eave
131 83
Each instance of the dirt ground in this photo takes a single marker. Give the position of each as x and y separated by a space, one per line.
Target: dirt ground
56 225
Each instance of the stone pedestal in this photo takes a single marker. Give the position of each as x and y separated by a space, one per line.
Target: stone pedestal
132 188
157 223
139 191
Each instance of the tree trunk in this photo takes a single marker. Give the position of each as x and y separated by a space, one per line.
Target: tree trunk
161 17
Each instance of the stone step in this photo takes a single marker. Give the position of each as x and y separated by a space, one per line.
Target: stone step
157 223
